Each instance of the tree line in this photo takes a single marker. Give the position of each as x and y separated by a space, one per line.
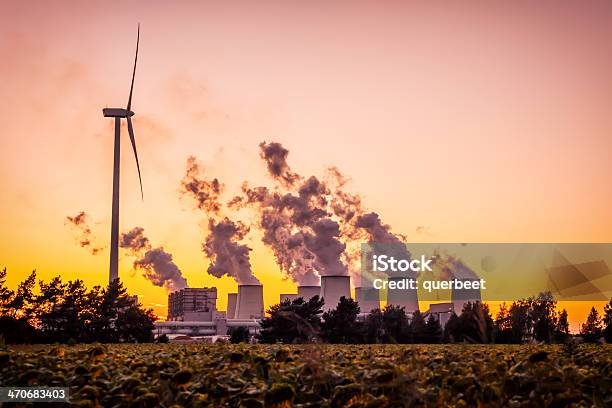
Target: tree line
532 319
67 312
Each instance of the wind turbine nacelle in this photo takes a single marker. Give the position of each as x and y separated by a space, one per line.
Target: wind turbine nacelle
117 113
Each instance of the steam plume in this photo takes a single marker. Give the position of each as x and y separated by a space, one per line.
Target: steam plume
326 247
222 245
227 256
84 235
205 192
156 264
275 156
296 222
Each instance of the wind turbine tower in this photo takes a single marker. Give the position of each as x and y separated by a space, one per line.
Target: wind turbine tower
118 114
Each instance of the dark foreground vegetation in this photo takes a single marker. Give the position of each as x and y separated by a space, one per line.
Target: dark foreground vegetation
151 375
69 313
529 320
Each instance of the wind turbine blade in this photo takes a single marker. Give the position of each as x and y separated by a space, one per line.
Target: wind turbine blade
131 132
129 105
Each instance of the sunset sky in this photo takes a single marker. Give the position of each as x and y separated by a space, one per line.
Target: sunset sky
457 123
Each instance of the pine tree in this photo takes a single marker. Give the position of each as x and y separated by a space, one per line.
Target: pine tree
6 295
452 330
418 328
340 324
607 322
562 327
591 329
433 330
544 317
294 321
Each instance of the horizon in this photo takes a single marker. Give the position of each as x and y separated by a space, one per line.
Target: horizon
496 118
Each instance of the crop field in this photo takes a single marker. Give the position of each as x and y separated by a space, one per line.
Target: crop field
317 375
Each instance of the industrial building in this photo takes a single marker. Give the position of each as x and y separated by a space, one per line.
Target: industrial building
249 302
308 291
442 312
368 299
192 304
193 312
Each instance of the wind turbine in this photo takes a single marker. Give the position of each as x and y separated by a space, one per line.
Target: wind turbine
118 114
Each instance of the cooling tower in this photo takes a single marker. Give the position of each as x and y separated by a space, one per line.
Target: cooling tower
406 298
249 303
308 291
460 297
368 299
287 296
333 288
231 305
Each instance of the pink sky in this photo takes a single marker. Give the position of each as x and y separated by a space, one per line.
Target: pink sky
481 122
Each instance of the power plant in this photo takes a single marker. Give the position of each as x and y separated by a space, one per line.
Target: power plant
192 312
308 291
333 288
249 303
192 304
368 299
408 299
231 305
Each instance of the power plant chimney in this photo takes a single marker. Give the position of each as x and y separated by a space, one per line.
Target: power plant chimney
408 299
368 299
333 287
308 291
249 303
231 305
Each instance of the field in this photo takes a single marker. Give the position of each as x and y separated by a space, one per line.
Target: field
317 375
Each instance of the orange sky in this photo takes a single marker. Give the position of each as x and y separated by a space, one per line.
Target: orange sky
480 122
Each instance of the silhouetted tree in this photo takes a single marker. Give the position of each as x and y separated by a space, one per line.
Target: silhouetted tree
22 304
373 328
119 318
340 325
48 309
476 323
562 327
503 327
5 294
452 330
67 312
544 317
417 328
294 321
520 321
433 330
17 311
387 326
607 322
591 329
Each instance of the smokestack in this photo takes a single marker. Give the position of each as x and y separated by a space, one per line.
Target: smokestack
288 296
408 299
249 303
308 291
231 305
368 299
333 287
